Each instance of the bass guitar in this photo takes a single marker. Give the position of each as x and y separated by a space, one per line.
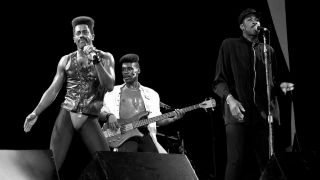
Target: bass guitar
129 127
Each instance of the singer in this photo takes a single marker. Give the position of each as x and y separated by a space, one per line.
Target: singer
88 73
240 82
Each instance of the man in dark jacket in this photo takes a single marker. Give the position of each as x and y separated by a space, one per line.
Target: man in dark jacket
240 81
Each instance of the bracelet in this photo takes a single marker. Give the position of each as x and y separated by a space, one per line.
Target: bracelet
108 115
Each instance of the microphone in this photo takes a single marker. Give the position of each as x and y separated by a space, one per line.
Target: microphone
259 28
90 50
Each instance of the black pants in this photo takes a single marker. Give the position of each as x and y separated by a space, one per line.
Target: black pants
247 149
138 144
63 131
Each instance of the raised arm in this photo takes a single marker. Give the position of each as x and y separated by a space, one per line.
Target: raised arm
105 70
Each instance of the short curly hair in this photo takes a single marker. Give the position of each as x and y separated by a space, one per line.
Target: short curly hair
83 20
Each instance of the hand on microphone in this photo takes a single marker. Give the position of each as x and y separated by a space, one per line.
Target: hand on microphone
92 53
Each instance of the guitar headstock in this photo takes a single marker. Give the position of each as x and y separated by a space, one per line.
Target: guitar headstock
210 103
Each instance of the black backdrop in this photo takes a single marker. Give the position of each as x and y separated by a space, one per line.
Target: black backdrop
178 45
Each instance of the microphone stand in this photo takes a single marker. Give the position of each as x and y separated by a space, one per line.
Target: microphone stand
270 117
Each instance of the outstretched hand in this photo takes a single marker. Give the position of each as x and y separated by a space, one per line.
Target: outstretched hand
177 114
286 86
30 121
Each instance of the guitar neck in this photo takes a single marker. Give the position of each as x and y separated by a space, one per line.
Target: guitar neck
143 122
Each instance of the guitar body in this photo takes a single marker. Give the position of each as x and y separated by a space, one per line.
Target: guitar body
126 130
116 139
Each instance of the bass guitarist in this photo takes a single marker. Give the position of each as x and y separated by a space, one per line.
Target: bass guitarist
132 101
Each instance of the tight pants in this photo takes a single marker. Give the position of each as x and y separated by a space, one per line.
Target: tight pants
63 131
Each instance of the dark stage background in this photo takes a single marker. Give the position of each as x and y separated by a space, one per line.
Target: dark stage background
178 45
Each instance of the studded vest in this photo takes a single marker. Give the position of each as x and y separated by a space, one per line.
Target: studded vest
84 93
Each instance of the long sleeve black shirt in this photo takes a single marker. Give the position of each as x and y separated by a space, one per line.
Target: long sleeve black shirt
241 72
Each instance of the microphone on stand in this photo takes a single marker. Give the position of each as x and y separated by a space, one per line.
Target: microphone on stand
260 28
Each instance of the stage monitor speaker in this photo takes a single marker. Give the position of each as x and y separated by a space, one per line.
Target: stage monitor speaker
289 165
138 166
27 165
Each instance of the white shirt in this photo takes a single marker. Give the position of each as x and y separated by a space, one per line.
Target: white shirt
151 99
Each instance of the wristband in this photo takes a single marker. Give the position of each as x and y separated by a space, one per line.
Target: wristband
95 60
108 115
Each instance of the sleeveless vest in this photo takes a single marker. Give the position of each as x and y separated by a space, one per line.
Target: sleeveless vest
84 94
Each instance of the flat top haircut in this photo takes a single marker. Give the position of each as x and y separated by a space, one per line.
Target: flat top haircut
83 20
129 58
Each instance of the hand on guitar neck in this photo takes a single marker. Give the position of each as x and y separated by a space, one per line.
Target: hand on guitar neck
178 114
